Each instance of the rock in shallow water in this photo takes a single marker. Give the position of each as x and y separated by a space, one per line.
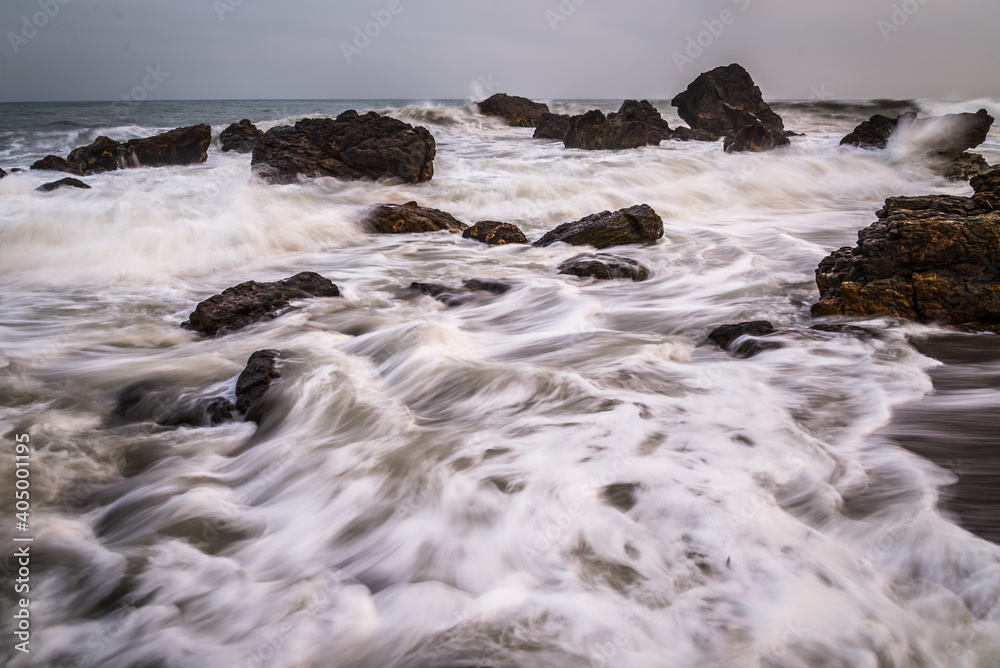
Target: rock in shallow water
875 132
261 370
104 155
755 139
68 182
929 259
604 267
593 131
251 302
183 146
552 126
635 225
710 101
517 111
495 234
409 218
52 163
726 335
2 173
240 137
471 290
350 147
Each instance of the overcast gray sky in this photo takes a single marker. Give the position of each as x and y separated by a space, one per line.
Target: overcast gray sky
546 49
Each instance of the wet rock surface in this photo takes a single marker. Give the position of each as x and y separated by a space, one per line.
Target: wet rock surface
552 126
604 267
471 290
716 98
261 370
240 137
183 146
68 182
495 233
745 334
52 163
517 111
635 225
410 218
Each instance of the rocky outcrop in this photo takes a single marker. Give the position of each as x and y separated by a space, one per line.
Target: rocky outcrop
68 182
635 111
104 155
949 134
495 234
251 302
929 259
519 112
687 134
351 147
716 98
741 339
552 126
183 146
635 225
52 163
753 138
604 267
409 218
593 131
240 137
472 290
961 166
875 132
261 370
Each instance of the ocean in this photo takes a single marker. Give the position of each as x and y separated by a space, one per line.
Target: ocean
562 475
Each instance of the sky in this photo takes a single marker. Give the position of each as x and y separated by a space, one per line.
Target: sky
460 49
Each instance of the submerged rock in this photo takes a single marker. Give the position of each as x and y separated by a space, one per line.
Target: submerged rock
495 234
517 111
929 259
552 126
713 99
68 182
635 225
350 147
104 155
409 218
240 137
746 334
251 302
875 132
183 146
261 370
159 402
52 163
604 267
687 134
471 290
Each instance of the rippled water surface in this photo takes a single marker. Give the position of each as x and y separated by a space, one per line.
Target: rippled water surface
563 475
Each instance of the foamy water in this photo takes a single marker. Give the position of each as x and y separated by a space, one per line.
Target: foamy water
431 485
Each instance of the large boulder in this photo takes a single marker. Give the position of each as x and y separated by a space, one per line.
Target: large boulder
408 218
636 225
240 137
753 138
711 101
552 126
183 146
875 132
52 163
251 302
350 147
68 182
261 370
635 111
104 155
495 234
604 267
593 131
519 112
929 259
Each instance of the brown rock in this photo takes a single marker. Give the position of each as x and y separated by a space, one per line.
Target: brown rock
635 225
754 138
519 112
52 163
104 155
711 100
552 126
261 370
68 182
408 218
594 132
240 137
604 267
495 234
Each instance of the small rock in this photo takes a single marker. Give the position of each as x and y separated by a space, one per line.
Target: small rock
635 225
604 267
495 234
52 163
2 173
240 137
962 166
753 138
621 495
409 218
552 126
68 182
726 335
519 112
254 381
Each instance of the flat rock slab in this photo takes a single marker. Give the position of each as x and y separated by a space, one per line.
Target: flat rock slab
251 302
351 147
409 218
635 225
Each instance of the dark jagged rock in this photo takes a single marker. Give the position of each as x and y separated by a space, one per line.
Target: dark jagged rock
350 147
519 112
634 111
636 225
552 126
68 182
929 259
594 132
261 370
104 155
158 402
183 146
408 218
52 163
2 173
471 290
495 234
753 138
962 166
875 132
240 137
726 335
251 302
687 134
951 133
604 267
704 104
